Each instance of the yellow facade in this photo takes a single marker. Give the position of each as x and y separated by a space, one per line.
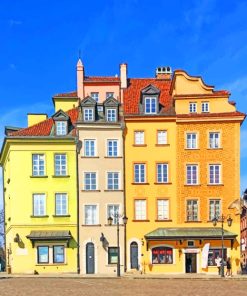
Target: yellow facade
19 187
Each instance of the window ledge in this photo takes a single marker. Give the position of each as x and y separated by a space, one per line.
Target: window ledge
140 220
38 176
114 190
91 225
220 148
44 216
220 184
57 216
50 264
89 156
193 221
139 145
107 225
61 176
162 183
187 185
163 220
145 183
95 190
191 149
113 156
162 145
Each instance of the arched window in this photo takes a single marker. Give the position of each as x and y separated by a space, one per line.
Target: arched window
162 255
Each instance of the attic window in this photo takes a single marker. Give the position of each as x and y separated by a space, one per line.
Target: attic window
150 105
88 114
111 115
61 128
109 94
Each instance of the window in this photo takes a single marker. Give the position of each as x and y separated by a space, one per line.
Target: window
192 107
150 105
163 209
95 96
205 106
61 204
162 172
89 148
113 211
162 137
191 243
109 94
88 115
139 137
60 164
192 178
43 254
214 140
140 209
91 215
112 255
39 204
191 141
192 210
111 115
213 254
112 148
38 164
162 255
214 209
113 181
58 254
90 181
214 174
61 128
140 173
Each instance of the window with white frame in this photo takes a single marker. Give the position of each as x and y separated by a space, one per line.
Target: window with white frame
39 204
214 208
162 209
61 204
214 174
214 140
140 173
162 172
192 210
139 137
192 174
95 96
88 114
162 137
150 105
113 180
191 140
61 128
89 148
140 209
205 106
60 164
38 164
113 211
112 148
91 214
109 94
192 107
111 115
90 181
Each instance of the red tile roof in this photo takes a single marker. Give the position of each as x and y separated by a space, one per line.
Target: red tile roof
101 79
133 92
67 95
44 128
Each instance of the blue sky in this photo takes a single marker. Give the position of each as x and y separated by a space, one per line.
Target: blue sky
40 42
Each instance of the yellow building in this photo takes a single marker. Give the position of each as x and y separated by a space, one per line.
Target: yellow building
40 194
182 170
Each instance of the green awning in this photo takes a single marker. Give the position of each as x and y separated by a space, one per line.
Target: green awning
189 233
49 235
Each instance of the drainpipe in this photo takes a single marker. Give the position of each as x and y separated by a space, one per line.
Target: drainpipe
4 218
124 188
77 187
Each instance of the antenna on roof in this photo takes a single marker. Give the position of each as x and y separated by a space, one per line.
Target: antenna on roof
79 53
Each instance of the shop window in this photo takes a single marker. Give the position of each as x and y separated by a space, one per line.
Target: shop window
213 254
162 255
112 255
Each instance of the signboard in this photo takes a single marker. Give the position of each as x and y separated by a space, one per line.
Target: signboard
205 250
186 251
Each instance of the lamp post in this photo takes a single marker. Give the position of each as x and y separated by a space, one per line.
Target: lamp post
222 219
110 220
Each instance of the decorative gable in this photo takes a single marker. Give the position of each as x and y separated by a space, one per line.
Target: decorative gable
111 102
88 102
60 115
150 90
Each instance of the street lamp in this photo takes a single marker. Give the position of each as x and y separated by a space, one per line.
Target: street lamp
110 220
222 219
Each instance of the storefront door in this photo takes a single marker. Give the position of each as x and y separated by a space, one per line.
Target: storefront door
190 263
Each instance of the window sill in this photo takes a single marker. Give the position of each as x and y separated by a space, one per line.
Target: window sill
193 221
163 220
91 225
162 145
107 225
95 190
215 184
57 216
162 183
220 148
50 264
145 183
139 145
140 220
114 190
113 156
61 176
38 176
187 185
191 149
44 216
89 156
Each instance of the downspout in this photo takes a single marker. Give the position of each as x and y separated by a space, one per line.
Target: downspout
124 196
5 249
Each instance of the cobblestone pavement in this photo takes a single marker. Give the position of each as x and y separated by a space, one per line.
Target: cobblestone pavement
119 287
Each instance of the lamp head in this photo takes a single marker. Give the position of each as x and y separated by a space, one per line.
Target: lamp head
110 219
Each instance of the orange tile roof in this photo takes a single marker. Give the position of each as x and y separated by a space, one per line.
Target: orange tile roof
101 79
44 128
133 91
67 95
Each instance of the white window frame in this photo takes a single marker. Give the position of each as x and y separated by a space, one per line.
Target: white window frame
61 128
205 107
141 212
37 168
113 178
163 209
116 211
91 153
95 95
191 168
41 210
90 185
214 174
162 137
162 172
213 213
194 210
60 169
191 140
214 141
94 220
192 107
139 137
111 114
59 206
138 168
113 148
88 114
149 101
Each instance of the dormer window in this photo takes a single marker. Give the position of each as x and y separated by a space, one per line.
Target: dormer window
61 128
109 94
88 114
150 105
95 96
111 115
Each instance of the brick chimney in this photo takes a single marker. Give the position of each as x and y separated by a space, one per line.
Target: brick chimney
80 79
163 73
123 75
